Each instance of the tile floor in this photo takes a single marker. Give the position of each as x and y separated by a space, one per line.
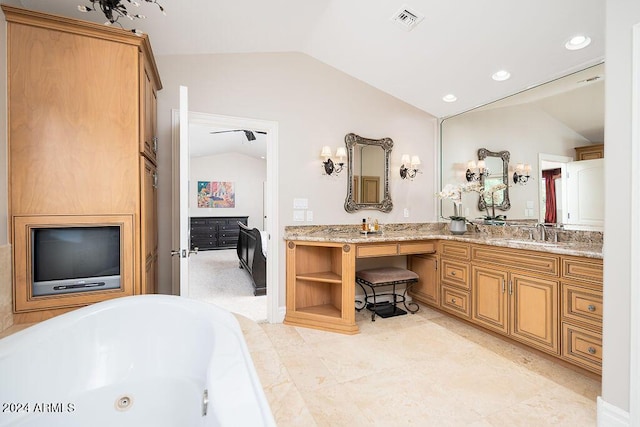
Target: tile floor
427 369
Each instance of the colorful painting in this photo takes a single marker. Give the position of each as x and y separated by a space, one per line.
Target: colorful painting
216 194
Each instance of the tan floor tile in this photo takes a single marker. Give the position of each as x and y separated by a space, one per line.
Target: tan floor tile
426 369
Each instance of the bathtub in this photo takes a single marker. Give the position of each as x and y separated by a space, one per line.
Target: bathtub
148 360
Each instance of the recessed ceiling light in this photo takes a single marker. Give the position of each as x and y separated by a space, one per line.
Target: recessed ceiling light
578 42
449 98
501 75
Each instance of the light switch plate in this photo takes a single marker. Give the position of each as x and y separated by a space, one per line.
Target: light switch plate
300 203
309 216
298 216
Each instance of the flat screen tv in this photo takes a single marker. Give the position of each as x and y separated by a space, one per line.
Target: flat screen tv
75 259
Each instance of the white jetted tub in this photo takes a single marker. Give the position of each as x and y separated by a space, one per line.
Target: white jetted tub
149 360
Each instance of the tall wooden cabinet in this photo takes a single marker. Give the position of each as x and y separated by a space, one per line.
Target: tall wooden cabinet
81 141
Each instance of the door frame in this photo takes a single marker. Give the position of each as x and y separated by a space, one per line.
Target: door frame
272 226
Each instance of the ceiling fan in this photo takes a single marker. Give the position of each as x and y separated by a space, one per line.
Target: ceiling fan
250 134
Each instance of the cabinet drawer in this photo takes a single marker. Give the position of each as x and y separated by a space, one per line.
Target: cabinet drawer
588 269
582 347
228 234
582 304
416 248
455 249
364 251
516 259
455 301
455 273
227 242
229 227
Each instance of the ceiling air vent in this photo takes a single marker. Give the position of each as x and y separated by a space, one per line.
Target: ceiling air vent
407 18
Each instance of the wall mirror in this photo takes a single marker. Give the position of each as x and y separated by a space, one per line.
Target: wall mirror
368 173
497 169
541 127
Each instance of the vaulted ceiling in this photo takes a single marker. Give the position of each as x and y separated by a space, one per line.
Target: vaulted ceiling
455 48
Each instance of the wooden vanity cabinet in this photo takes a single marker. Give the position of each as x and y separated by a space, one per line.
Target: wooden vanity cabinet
515 293
455 278
581 316
321 286
427 290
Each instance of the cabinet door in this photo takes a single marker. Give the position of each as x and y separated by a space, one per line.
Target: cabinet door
427 290
149 144
534 311
489 298
149 225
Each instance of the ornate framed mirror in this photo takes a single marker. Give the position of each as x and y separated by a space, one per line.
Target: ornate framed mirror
497 172
368 173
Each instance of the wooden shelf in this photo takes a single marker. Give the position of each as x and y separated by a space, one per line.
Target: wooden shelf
324 276
322 310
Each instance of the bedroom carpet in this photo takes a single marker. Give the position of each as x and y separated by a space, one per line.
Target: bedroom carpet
214 277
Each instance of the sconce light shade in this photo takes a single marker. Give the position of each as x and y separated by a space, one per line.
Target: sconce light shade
476 170
331 167
409 168
521 174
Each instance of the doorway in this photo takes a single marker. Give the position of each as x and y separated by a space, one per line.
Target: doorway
270 130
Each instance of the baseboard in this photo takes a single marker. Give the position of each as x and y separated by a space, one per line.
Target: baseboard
280 314
611 416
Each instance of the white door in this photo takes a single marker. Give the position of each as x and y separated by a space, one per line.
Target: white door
585 193
183 188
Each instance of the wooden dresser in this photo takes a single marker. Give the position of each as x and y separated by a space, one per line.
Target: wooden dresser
215 232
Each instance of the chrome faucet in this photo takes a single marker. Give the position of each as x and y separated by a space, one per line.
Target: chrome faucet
543 232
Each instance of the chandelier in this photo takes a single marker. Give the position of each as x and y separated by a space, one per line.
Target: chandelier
113 10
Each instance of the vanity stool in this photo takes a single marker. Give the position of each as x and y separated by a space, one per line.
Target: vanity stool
386 276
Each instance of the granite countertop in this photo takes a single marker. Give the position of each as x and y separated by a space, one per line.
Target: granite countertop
576 245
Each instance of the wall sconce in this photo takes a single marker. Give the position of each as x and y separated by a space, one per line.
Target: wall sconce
481 168
329 165
409 167
521 174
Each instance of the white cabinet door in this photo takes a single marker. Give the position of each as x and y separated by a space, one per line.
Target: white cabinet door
585 194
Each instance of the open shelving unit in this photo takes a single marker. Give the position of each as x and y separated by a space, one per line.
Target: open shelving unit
320 276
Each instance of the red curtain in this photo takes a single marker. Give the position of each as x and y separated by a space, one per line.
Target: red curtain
550 216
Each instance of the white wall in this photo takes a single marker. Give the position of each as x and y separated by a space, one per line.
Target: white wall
248 175
314 105
523 130
620 18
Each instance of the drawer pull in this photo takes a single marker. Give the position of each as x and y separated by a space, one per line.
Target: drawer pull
453 273
591 308
591 350
453 300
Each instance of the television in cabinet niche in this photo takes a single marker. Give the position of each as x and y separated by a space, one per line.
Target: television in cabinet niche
70 261
74 259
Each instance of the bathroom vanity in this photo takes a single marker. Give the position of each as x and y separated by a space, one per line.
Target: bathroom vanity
542 294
